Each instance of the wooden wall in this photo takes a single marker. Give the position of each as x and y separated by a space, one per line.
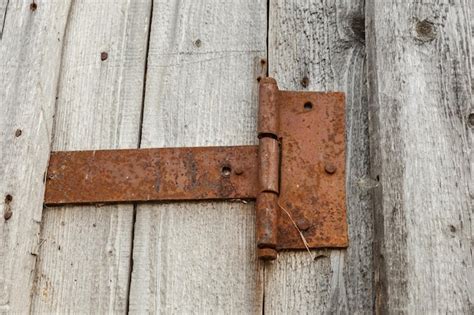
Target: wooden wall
134 74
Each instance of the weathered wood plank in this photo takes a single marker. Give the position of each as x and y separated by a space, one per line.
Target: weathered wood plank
320 46
201 90
420 98
84 260
29 61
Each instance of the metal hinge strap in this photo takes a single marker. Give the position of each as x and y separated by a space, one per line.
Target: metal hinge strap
298 167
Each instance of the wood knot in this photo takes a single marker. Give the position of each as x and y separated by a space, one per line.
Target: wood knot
425 31
357 24
470 120
7 214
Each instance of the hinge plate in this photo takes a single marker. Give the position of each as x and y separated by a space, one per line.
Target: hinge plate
311 180
312 187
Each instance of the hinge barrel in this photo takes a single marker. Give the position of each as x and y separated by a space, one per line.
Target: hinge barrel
268 115
266 207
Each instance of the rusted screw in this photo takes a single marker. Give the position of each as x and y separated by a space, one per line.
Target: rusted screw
303 224
239 171
305 82
330 168
104 56
267 253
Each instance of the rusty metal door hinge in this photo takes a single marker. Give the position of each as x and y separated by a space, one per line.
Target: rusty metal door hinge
296 173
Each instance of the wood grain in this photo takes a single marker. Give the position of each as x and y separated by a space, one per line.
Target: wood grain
320 46
201 90
29 61
421 154
85 255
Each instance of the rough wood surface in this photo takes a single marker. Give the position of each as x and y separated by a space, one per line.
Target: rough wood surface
29 62
201 89
320 46
421 147
84 259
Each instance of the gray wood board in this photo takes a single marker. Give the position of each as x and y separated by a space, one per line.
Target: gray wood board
320 46
30 54
419 98
201 90
84 260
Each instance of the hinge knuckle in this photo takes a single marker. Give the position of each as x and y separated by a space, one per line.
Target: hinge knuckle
267 198
268 116
269 164
269 169
267 220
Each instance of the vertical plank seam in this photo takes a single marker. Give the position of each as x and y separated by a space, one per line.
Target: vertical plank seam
140 131
4 19
268 37
58 83
51 140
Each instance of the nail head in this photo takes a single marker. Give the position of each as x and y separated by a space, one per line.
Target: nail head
330 168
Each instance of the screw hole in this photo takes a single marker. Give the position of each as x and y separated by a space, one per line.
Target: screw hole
308 105
226 170
8 198
470 120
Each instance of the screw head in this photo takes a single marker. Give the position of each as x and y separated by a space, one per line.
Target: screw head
330 168
303 224
305 81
